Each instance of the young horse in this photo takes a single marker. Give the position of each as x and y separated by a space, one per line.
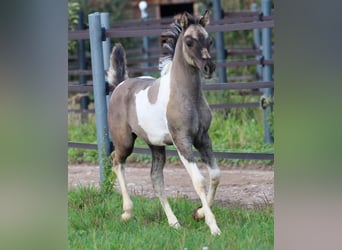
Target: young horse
164 111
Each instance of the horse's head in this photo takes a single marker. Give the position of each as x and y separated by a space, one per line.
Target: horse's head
196 43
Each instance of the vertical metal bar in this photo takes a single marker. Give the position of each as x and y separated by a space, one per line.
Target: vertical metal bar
257 42
103 146
143 5
84 101
146 53
219 42
81 46
105 24
106 50
267 70
104 16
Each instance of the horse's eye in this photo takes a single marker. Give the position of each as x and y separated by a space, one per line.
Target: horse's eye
189 43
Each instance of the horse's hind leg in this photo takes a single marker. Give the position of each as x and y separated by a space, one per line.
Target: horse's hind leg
204 148
123 148
158 162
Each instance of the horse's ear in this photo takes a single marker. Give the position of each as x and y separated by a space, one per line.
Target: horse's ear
205 19
184 20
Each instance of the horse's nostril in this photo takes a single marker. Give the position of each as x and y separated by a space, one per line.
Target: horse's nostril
206 68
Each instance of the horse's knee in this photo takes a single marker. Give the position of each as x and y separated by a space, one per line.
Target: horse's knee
215 175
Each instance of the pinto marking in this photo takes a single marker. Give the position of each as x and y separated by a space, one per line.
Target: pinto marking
199 185
167 110
152 116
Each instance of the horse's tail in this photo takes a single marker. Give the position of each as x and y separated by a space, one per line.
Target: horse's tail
117 71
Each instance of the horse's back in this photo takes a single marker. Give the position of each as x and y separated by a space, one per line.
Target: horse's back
131 86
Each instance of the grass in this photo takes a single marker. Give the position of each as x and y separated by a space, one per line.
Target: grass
94 223
229 132
234 130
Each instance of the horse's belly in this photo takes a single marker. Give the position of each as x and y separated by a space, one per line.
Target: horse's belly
154 127
152 120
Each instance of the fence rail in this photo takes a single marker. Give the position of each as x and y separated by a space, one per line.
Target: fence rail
169 152
232 21
134 70
214 86
154 27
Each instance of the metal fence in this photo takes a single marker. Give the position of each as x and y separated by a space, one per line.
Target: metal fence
100 33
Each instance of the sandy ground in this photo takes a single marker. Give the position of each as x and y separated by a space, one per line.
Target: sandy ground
246 186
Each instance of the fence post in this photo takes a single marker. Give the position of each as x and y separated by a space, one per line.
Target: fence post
84 101
106 50
257 42
104 16
219 42
267 69
144 16
99 84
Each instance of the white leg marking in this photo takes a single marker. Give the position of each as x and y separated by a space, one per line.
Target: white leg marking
199 185
126 200
171 218
214 175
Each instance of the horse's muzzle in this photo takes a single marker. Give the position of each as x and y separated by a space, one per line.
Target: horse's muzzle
208 69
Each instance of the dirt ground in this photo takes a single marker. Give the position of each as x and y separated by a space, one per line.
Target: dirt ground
247 186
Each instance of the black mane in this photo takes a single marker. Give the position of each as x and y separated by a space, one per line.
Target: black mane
168 39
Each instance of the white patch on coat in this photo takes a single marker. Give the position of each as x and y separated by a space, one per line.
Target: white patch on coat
152 117
199 185
195 175
146 77
165 67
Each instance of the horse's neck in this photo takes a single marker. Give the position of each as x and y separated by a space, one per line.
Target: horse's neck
184 77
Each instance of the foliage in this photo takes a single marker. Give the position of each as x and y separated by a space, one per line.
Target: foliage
117 8
85 132
94 224
73 7
109 176
235 130
118 11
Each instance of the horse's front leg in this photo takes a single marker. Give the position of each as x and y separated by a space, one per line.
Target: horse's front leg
186 155
203 145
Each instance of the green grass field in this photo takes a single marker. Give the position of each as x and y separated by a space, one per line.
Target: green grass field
238 130
94 215
94 223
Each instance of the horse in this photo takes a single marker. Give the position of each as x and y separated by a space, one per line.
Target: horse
165 111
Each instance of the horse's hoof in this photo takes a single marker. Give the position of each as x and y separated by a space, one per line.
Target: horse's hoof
176 225
198 213
215 231
126 216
